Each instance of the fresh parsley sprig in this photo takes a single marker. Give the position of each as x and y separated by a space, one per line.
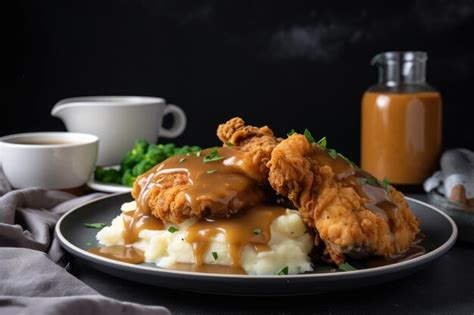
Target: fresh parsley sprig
98 226
322 142
257 231
172 229
283 271
212 156
386 184
309 136
347 267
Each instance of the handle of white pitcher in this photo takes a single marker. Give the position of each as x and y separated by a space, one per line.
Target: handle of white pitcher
179 122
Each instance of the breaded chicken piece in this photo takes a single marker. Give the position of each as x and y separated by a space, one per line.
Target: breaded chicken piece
187 186
257 142
352 212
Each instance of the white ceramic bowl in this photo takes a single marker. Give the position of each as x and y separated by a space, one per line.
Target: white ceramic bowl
53 160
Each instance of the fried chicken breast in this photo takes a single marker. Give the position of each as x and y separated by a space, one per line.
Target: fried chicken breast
212 183
352 212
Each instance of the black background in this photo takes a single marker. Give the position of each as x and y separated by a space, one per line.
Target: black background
292 64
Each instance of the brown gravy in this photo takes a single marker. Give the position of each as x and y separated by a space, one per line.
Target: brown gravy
220 185
366 185
136 221
208 268
250 227
401 135
122 253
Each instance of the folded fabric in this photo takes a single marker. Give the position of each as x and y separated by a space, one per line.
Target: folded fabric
455 180
32 279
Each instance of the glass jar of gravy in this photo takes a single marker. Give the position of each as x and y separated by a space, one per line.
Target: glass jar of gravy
401 121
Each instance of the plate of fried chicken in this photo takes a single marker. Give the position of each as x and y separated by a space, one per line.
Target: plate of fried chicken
258 215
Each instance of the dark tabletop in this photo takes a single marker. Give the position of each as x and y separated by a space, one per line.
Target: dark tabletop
444 286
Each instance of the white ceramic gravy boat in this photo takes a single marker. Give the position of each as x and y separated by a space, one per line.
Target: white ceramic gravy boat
118 121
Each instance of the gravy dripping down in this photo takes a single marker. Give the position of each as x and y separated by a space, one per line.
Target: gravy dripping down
217 187
378 199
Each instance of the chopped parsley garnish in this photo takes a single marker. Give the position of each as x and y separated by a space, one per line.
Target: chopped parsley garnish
89 244
172 229
257 231
214 254
283 271
211 171
181 160
368 181
322 142
346 267
212 156
292 132
386 184
229 144
309 136
332 153
98 226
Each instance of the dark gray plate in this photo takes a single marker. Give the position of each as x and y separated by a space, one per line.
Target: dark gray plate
440 231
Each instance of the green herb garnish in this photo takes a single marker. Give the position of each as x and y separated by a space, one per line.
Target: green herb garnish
212 156
386 184
214 254
332 153
283 271
172 229
89 244
368 181
229 144
141 158
181 160
257 231
98 226
322 142
346 267
309 136
211 171
291 132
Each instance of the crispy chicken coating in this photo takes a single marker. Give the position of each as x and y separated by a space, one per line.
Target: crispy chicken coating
338 211
169 201
257 142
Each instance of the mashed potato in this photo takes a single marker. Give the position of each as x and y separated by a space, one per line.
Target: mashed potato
290 245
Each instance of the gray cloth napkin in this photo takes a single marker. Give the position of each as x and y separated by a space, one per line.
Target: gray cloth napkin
457 169
32 280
